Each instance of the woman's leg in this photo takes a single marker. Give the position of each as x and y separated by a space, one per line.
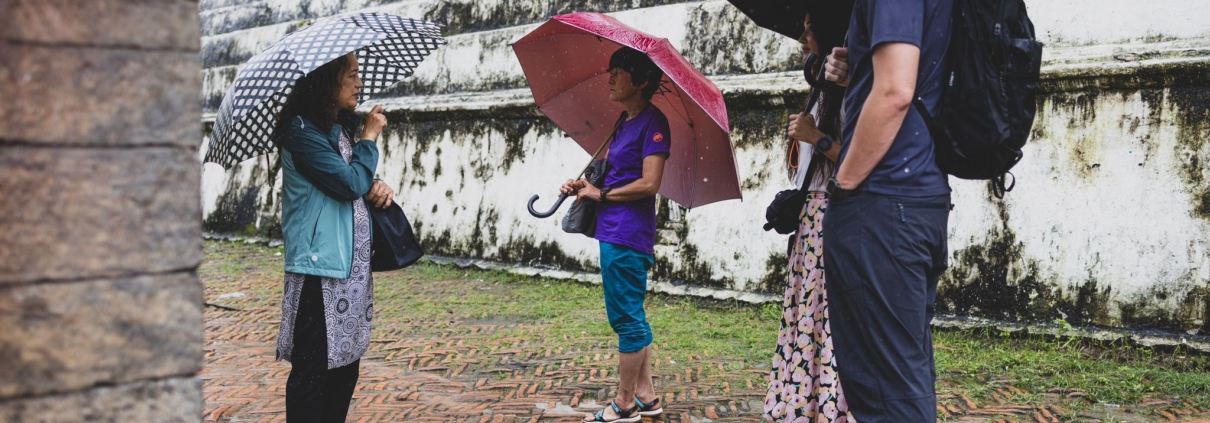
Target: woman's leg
624 279
339 392
643 387
309 360
630 368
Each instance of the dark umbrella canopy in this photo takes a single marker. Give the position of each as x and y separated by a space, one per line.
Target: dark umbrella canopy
785 16
781 16
388 47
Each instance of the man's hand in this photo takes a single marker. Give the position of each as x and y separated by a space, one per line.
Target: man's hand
836 69
381 195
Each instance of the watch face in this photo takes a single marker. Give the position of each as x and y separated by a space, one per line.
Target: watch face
825 143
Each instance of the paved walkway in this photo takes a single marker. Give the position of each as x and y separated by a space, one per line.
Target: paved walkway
439 369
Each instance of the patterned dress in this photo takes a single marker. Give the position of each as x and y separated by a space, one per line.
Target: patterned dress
348 303
803 387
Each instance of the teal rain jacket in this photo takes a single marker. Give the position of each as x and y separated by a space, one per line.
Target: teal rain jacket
318 190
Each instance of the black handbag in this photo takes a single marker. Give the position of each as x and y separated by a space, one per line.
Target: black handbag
581 218
395 246
784 212
782 215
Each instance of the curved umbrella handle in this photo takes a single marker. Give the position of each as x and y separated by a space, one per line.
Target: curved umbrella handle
816 81
548 213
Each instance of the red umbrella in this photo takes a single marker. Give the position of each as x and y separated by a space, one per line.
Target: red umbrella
566 61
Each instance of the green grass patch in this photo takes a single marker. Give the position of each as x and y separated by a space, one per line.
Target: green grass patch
1106 372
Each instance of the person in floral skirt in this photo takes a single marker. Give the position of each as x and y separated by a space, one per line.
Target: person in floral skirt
803 386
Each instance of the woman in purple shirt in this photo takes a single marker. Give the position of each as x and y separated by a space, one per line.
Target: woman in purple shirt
626 228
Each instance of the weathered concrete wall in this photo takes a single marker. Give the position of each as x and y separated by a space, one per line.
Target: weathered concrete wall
1109 223
100 304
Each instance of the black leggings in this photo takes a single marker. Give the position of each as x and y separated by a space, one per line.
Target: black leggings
315 394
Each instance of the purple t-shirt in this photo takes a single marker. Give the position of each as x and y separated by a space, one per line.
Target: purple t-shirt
631 224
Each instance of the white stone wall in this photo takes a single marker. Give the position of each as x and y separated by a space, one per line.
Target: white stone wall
1108 225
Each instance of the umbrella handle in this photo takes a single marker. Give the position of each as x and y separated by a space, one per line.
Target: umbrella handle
816 81
548 213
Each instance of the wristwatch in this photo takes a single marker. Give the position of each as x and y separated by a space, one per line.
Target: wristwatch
824 144
604 192
836 192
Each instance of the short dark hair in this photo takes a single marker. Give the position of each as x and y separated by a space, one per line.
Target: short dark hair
641 69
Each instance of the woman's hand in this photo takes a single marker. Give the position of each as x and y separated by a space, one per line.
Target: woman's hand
802 128
381 195
375 122
836 69
589 192
572 187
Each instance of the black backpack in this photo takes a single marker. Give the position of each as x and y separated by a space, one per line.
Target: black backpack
988 103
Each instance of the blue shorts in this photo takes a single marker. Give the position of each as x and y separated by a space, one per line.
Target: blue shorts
624 277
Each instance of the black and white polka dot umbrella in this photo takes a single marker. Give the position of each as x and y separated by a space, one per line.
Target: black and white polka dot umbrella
389 48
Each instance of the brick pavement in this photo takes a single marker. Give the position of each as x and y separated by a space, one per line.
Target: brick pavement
440 369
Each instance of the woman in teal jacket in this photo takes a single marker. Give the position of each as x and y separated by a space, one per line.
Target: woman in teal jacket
328 304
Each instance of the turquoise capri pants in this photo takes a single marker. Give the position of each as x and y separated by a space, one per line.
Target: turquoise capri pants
624 277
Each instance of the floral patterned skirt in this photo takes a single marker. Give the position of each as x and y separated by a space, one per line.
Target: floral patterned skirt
803 387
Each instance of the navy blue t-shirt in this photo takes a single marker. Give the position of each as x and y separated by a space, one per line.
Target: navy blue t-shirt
909 168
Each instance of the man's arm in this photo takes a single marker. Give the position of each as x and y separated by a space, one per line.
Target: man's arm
895 68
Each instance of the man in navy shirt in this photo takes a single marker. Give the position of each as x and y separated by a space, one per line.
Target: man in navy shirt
889 207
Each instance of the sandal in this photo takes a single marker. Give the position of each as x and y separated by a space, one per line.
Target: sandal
627 416
653 409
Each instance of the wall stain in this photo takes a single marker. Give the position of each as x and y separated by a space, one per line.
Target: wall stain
514 141
738 53
777 273
1154 100
1084 154
236 209
527 251
464 17
1192 311
690 269
994 280
1192 106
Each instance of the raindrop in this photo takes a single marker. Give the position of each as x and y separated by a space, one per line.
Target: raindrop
906 170
705 179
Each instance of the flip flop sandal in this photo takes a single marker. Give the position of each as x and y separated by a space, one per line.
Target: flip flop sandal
653 409
627 416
